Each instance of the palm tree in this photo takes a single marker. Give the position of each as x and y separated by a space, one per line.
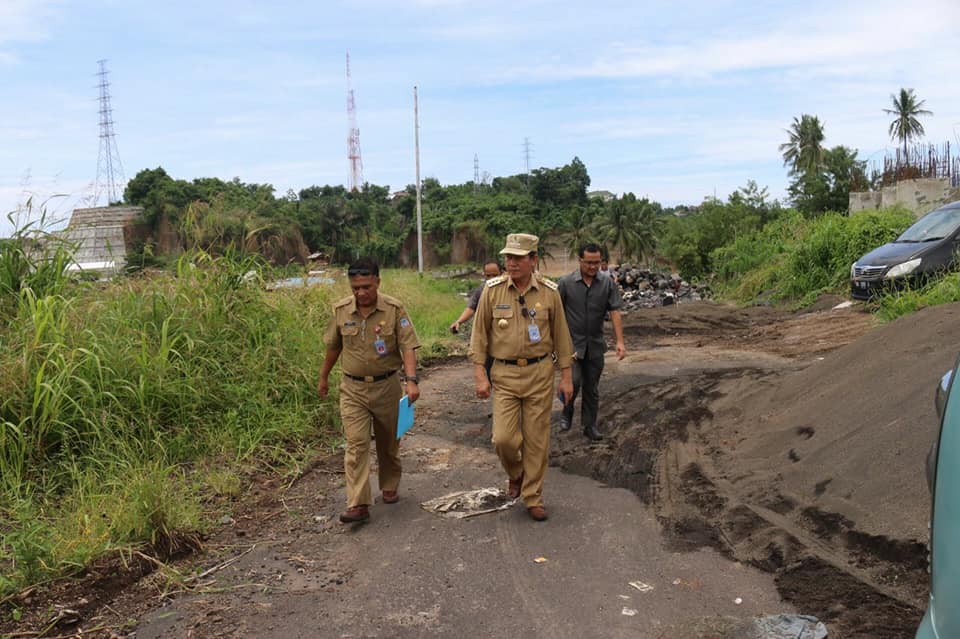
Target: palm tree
803 152
630 226
615 228
647 227
580 231
905 125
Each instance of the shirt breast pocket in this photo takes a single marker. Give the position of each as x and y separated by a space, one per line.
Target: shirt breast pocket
350 333
502 317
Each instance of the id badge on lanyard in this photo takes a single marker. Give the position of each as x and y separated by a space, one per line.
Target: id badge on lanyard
533 331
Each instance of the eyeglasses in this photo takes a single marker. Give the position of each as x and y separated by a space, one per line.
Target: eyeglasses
523 306
361 272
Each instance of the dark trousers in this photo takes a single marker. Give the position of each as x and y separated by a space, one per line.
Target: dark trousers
586 376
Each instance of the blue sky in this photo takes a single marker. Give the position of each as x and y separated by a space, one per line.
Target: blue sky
672 100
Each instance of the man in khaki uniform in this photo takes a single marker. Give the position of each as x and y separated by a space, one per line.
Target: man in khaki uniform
376 337
520 323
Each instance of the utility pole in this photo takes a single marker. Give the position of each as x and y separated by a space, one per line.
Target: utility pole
416 142
110 178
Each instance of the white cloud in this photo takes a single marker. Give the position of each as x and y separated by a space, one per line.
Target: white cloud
23 21
848 35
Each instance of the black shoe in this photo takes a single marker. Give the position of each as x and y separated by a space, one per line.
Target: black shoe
564 423
591 433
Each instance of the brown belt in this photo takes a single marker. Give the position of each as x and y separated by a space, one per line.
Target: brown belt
522 362
370 378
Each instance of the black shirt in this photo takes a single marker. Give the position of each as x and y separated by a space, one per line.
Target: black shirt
585 307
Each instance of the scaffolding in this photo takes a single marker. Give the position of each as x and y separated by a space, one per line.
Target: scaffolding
919 161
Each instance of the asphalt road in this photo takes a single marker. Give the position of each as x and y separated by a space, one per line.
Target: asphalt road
411 573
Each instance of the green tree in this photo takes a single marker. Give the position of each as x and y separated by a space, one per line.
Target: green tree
906 110
629 226
829 189
803 151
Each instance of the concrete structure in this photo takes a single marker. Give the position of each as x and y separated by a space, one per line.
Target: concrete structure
101 238
919 196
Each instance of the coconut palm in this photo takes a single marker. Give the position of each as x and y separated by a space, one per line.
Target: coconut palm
906 125
803 152
630 226
580 230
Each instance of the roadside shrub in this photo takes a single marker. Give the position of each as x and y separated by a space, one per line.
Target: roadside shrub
793 258
894 304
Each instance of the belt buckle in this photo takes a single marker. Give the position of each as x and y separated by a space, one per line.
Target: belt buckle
368 378
522 362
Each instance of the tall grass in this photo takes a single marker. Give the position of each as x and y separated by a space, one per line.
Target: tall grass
126 406
896 303
794 259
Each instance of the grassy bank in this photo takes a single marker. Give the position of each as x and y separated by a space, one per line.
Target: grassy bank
793 259
944 290
130 410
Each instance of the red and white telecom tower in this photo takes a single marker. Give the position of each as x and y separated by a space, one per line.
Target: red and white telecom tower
353 137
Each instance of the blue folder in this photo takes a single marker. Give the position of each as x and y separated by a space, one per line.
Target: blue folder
405 416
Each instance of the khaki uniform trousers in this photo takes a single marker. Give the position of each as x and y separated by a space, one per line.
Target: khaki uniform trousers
522 399
361 402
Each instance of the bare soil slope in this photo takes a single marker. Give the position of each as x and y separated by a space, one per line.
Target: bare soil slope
792 442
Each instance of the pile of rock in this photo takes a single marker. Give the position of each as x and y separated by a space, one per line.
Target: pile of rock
643 288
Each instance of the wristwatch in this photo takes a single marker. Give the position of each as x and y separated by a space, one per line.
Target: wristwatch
412 378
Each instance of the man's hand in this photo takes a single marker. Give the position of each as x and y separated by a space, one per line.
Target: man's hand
481 382
413 391
455 327
621 350
565 389
323 387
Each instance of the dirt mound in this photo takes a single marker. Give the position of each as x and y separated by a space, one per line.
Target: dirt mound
792 442
848 433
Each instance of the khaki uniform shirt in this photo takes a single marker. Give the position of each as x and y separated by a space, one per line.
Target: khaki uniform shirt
356 336
501 331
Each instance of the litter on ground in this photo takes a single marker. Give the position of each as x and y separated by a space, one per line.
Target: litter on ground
469 503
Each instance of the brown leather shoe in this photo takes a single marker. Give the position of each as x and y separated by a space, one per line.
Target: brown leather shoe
537 513
390 497
355 514
513 487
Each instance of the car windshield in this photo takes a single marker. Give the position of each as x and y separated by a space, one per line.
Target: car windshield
933 226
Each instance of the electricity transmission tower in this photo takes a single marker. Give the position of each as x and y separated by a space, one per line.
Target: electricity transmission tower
353 137
476 173
110 179
526 157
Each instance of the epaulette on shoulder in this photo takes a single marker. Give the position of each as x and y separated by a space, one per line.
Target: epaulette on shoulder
494 281
343 302
392 301
547 282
